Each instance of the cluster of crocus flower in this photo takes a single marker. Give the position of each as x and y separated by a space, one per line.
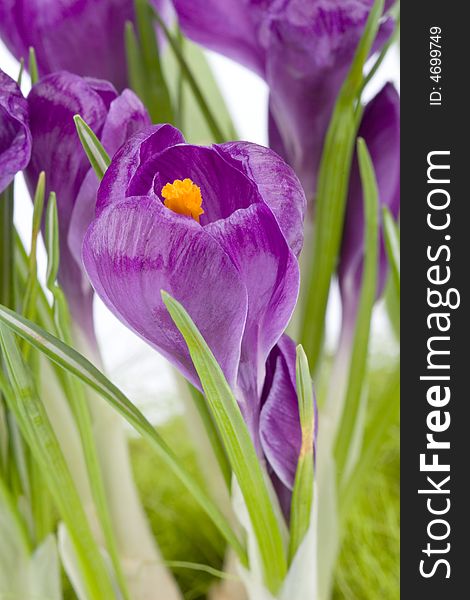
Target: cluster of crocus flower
219 227
303 51
236 179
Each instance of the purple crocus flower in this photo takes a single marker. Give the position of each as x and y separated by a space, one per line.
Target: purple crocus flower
219 229
85 37
380 129
280 431
57 150
15 137
302 48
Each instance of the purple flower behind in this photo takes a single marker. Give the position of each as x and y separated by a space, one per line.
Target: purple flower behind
57 150
15 137
380 128
280 431
302 48
85 37
226 249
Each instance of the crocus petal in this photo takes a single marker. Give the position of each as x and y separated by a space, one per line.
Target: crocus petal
15 137
118 181
81 36
228 27
253 240
158 156
277 184
280 431
126 116
303 50
135 249
57 150
309 48
380 128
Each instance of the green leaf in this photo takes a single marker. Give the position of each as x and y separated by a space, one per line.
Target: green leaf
383 415
29 303
392 245
302 495
238 445
191 119
97 155
37 430
358 363
332 189
20 73
212 123
77 397
156 94
60 308
33 66
134 60
7 249
212 433
73 362
383 53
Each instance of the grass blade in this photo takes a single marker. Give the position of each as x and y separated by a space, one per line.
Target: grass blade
382 417
97 155
29 302
7 249
36 428
189 77
73 362
392 245
358 363
134 61
77 398
212 433
156 94
333 179
238 445
33 66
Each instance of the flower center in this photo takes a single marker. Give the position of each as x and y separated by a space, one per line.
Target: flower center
183 197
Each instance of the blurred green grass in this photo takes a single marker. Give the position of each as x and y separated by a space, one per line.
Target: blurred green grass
368 566
369 562
183 531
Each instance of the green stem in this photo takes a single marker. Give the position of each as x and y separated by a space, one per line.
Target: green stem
332 190
212 433
197 92
358 364
7 256
391 40
7 297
